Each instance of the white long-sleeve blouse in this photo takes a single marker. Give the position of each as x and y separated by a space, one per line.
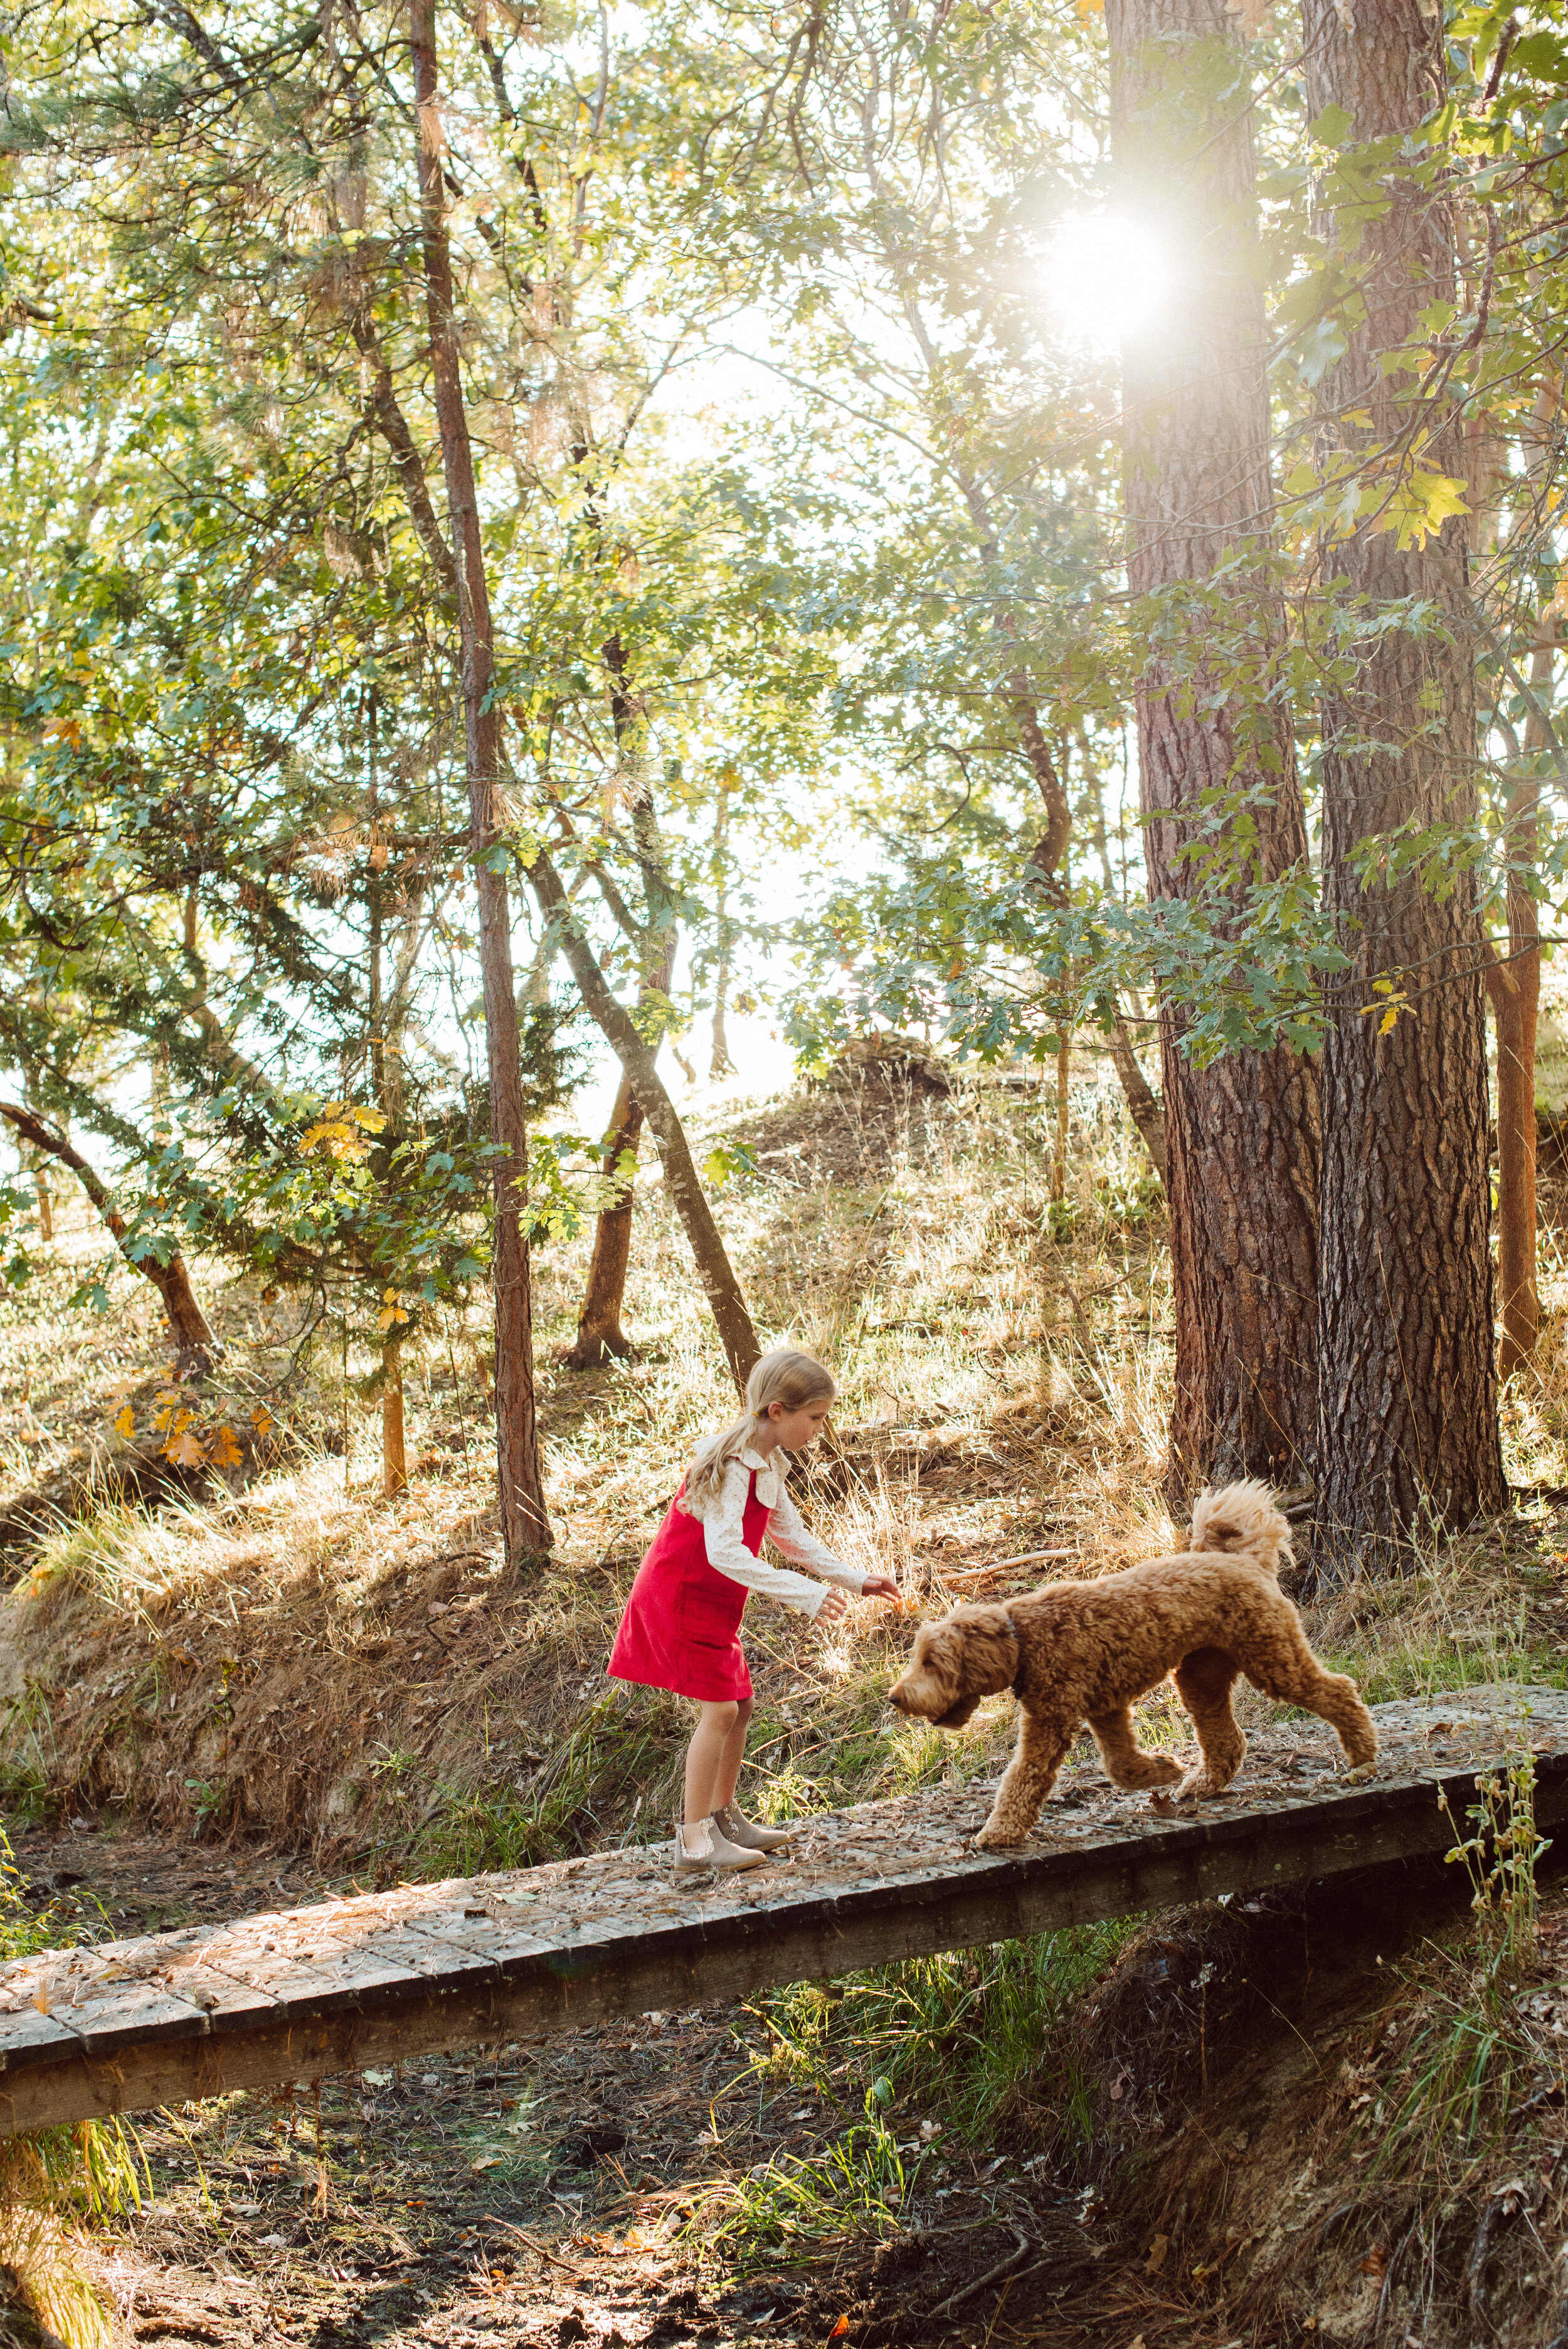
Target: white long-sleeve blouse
722 1518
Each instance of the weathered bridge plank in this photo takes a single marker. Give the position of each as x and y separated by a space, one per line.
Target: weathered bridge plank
379 1979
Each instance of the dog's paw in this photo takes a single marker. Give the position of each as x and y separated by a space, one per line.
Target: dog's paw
1362 1772
994 1838
1196 1784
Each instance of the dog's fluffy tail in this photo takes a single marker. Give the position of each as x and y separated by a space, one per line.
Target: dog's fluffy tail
1243 1521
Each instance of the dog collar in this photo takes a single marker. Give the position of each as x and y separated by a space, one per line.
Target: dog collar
1018 1668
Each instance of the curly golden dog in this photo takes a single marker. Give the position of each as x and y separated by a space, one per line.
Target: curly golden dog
1077 1652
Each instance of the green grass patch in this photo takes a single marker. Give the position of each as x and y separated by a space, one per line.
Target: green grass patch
795 2212
1447 1668
964 2033
562 1810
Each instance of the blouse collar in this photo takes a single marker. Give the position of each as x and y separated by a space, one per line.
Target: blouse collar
771 1470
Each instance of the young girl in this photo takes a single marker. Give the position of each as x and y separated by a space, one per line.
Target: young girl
680 1628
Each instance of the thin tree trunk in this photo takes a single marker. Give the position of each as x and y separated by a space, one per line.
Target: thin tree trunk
1514 988
194 1344
1144 1109
720 1064
599 1331
1240 1136
1408 1378
723 1290
383 1058
525 1527
1059 1154
714 1269
394 1459
40 1178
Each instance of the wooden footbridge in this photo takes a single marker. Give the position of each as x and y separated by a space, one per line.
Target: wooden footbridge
128 2025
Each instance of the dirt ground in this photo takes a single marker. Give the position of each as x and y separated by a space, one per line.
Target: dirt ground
564 2191
539 2195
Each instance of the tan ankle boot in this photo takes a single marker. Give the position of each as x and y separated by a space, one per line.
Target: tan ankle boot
741 1832
704 1848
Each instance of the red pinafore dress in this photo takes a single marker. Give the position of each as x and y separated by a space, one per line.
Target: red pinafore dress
682 1624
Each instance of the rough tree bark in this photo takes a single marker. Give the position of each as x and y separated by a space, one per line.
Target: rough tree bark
524 1523
194 1344
1242 1136
1405 1334
716 1274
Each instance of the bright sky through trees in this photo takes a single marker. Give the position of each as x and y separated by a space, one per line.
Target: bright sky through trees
1104 275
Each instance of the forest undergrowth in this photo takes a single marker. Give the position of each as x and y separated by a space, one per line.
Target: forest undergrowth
1004 1362
289 1663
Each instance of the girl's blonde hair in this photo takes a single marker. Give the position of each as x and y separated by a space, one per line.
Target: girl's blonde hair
786 1376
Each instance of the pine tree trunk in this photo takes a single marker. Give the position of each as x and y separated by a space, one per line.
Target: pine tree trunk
524 1525
599 1331
1242 1136
1408 1382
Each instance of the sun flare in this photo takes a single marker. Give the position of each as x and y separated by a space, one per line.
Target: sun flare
1105 278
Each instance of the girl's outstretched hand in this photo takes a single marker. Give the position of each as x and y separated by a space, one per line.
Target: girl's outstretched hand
880 1586
833 1604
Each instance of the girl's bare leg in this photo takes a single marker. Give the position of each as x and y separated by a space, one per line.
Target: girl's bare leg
719 1728
734 1754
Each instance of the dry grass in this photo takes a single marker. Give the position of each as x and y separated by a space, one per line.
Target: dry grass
306 1662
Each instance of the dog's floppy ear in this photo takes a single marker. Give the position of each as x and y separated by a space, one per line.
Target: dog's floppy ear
938 1652
990 1646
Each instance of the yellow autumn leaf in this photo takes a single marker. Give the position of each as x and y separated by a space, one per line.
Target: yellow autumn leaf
1387 1020
125 1421
186 1451
226 1451
160 1419
390 1318
1416 508
340 1141
261 1418
372 1120
41 2001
